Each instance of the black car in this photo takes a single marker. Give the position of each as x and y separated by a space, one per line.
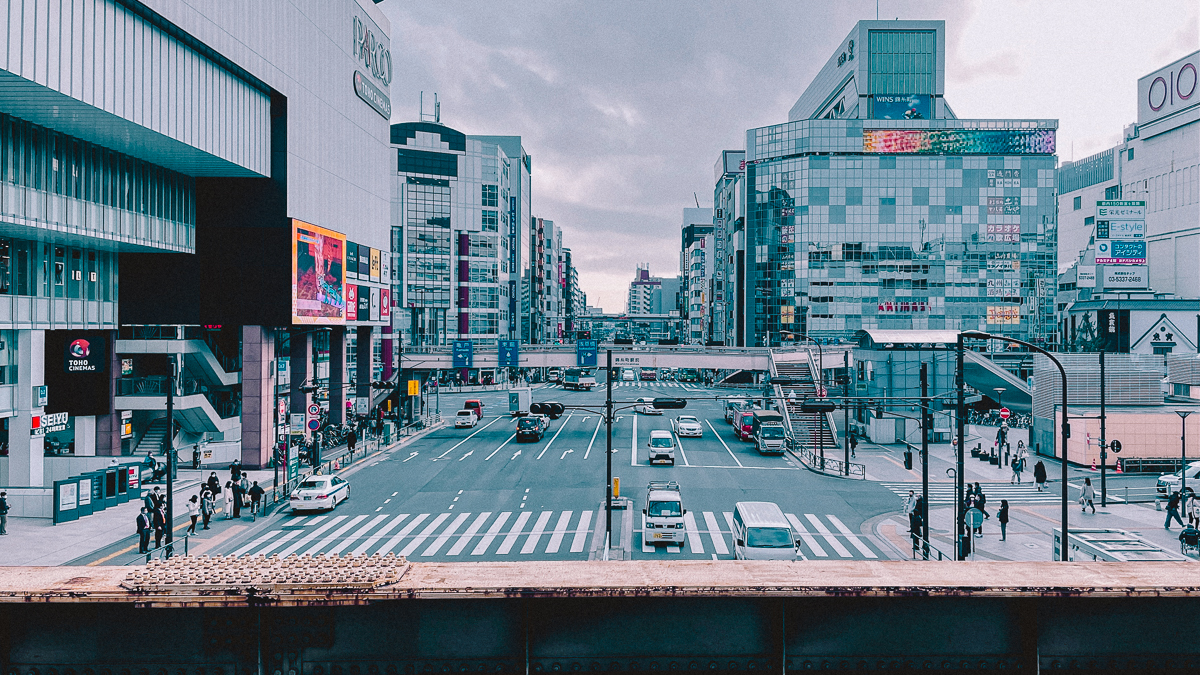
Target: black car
531 428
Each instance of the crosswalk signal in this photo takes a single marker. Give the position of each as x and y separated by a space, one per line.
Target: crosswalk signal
908 461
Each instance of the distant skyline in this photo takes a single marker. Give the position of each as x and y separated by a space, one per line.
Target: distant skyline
624 108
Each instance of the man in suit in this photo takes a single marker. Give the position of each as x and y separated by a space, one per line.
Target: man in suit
143 530
160 525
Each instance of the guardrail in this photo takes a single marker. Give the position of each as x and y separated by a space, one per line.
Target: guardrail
1150 464
162 552
829 466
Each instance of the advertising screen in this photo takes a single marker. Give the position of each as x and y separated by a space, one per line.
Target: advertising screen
77 370
959 141
1120 252
351 302
318 275
351 260
902 107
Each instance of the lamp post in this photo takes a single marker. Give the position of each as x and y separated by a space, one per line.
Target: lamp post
999 396
1066 427
1183 451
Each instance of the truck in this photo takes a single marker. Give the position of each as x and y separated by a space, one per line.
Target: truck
687 375
662 519
768 432
579 379
518 401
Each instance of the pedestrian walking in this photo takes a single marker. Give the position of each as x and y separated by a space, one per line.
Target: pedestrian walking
3 513
1173 510
981 501
193 507
144 526
1039 475
853 444
351 441
1087 497
1002 518
230 500
159 522
206 507
1018 465
196 456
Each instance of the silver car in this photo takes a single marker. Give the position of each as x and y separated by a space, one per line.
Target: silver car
687 426
1169 482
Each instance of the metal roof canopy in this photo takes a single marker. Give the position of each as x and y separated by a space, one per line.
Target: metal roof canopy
918 337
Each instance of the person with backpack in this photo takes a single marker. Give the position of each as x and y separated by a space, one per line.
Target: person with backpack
256 494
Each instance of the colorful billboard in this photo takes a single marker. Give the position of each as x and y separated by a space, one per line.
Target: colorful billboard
1003 315
318 275
959 141
1120 252
902 107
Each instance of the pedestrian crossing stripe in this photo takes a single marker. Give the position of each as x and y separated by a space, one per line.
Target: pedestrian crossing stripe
465 534
944 493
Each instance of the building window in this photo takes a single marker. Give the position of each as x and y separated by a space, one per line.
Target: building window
1130 158
490 196
490 221
1113 192
1078 203
420 161
1090 220
1163 350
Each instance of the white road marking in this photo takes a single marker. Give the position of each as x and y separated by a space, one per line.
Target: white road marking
511 537
389 499
539 527
446 534
633 444
257 542
334 537
469 453
515 455
371 540
679 443
854 540
466 536
565 453
599 421
310 536
455 446
378 509
560 529
695 544
501 446
425 533
555 437
412 454
484 543
354 537
714 533
581 531
832 540
714 430
808 538
278 542
395 493
391 543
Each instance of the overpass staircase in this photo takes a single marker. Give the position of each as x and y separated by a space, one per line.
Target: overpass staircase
815 431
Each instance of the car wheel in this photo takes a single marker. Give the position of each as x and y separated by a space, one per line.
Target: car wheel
347 493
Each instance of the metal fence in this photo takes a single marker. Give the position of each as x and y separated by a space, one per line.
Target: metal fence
826 465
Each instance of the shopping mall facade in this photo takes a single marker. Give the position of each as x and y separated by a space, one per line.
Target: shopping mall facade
183 183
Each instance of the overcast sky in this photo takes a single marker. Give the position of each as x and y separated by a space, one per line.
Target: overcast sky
625 106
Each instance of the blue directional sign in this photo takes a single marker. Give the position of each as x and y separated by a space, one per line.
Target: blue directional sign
585 353
510 354
464 354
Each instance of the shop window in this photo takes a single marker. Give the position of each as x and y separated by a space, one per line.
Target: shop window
5 266
74 273
60 271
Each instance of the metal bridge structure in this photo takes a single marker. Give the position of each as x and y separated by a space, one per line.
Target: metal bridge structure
338 616
632 356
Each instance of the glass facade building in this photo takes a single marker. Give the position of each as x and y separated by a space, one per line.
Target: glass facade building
876 208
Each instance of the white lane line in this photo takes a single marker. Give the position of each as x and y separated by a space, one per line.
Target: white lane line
581 531
714 430
535 535
334 537
425 534
828 536
455 446
633 444
271 546
695 543
354 537
599 421
714 533
560 529
307 539
380 534
806 536
484 543
446 534
555 437
679 442
257 542
469 534
501 446
412 454
854 540
511 537
396 538
395 493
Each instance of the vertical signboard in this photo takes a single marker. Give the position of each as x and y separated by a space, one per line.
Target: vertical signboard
385 304
376 264
318 275
351 302
509 354
585 353
1114 330
374 304
463 353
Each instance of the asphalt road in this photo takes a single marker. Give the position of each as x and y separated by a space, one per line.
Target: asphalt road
477 494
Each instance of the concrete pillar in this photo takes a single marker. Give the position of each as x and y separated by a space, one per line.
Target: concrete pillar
301 366
258 395
363 367
108 427
26 453
387 353
85 435
338 388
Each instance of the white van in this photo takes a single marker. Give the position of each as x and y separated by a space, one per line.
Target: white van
762 532
662 447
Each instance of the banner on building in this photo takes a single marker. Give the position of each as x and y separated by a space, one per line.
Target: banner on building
1119 252
1003 315
1133 276
1086 276
318 275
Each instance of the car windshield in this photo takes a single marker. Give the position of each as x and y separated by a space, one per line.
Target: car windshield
660 442
527 424
664 510
688 420
772 432
769 537
312 485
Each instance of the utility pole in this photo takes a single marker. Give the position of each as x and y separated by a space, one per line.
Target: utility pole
170 515
608 412
960 413
1103 438
846 408
925 424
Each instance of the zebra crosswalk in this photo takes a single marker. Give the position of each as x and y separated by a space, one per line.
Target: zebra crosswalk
451 535
943 493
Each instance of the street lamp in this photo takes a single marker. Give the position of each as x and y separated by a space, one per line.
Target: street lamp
1066 430
999 394
1183 451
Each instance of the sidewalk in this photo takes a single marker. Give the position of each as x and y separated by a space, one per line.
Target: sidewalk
885 463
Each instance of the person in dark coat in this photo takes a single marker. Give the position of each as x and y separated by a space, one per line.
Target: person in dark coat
144 525
1002 518
159 521
1039 475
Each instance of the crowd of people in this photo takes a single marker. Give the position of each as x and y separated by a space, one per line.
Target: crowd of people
238 492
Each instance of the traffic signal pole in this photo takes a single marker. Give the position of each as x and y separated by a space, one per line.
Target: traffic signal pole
925 424
608 418
1103 439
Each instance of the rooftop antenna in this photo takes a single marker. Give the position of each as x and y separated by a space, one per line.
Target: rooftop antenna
876 10
437 109
697 198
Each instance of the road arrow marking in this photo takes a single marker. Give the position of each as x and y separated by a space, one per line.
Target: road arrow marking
565 453
515 454
466 455
455 446
414 453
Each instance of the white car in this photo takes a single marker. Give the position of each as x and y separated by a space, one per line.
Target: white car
627 375
319 493
687 425
1169 482
645 405
465 419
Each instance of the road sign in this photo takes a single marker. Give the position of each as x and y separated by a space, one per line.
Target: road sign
314 409
313 425
463 353
510 354
974 518
297 423
1005 413
822 392
585 353
1115 446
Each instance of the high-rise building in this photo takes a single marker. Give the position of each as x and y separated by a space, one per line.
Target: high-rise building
697 258
874 206
574 299
653 295
519 211
546 290
729 235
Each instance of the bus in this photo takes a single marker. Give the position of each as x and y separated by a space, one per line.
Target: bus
687 375
579 379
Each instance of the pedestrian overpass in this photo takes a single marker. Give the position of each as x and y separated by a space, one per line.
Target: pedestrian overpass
630 356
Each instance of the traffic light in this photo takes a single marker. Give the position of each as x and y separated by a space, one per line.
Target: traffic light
908 459
551 410
379 384
818 405
669 403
